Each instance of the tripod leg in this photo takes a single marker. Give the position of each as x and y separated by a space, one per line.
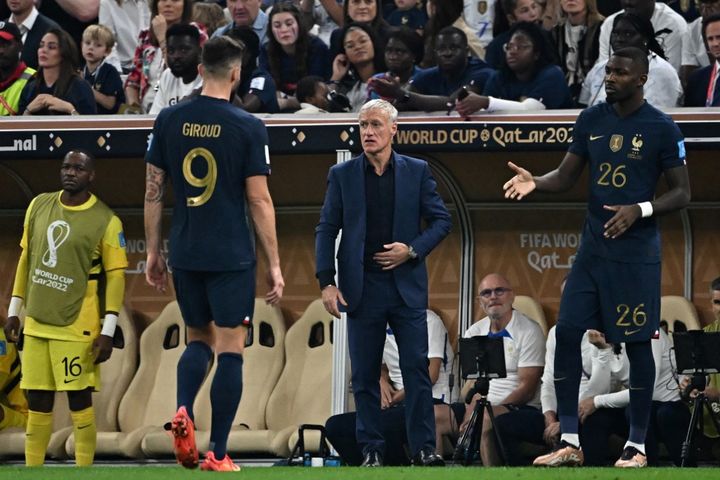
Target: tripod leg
501 446
461 449
692 427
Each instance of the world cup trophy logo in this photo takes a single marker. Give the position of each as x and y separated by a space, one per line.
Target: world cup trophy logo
57 233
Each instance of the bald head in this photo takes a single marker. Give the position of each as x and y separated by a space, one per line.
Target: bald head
496 298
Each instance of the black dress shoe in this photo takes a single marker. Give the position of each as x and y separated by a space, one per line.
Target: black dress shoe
428 458
372 459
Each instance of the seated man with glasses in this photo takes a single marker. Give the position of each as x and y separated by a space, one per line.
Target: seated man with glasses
516 398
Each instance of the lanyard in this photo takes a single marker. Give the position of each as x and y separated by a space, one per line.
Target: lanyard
711 85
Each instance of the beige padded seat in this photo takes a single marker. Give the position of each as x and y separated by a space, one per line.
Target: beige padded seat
115 376
150 398
531 309
678 312
302 394
264 358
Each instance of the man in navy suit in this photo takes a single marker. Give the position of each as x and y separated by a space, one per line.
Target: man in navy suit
703 88
379 200
33 25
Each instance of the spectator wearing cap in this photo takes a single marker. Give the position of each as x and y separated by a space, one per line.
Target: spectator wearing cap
14 73
32 24
703 88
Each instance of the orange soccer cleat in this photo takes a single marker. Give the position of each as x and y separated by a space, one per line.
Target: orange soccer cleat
212 464
183 432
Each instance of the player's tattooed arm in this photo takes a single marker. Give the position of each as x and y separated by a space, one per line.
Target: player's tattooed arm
155 180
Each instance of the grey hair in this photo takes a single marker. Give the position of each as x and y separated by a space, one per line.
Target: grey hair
380 104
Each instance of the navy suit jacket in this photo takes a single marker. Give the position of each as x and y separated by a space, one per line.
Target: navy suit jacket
416 199
696 90
32 41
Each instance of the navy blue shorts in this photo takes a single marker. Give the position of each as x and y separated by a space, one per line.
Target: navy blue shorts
622 300
227 298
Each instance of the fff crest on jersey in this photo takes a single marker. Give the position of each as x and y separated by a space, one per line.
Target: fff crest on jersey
616 142
482 7
637 143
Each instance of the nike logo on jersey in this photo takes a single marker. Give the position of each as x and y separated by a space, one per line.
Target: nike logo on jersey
631 332
81 427
70 381
595 137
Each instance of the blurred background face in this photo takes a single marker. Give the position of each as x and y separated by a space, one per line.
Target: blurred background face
405 4
244 12
18 7
716 304
171 10
712 36
49 51
525 11
183 54
9 53
709 7
451 52
624 35
573 6
284 28
358 46
362 11
519 53
643 8
398 56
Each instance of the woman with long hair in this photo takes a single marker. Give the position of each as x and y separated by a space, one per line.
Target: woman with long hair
576 39
364 12
662 89
58 88
149 61
359 60
291 52
507 14
527 79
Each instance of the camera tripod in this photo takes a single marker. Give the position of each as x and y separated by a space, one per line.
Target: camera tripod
469 443
698 383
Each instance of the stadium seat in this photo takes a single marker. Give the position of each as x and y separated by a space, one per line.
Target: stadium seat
264 358
150 398
530 307
302 394
678 313
115 376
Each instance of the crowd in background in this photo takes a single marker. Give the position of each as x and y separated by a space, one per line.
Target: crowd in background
313 56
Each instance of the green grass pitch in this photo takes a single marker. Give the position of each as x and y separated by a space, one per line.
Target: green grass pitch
332 473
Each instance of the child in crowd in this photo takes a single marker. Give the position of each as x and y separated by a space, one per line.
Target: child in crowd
408 14
97 43
312 93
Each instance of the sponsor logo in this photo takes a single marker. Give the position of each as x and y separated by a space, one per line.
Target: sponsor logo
595 137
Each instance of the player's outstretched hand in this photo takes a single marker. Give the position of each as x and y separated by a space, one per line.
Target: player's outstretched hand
12 329
156 271
102 348
519 186
277 284
625 216
330 297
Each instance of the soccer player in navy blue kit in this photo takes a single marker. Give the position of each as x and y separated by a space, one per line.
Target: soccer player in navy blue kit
216 156
614 284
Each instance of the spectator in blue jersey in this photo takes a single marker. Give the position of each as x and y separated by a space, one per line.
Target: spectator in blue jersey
507 14
404 50
627 145
436 88
408 14
291 53
57 89
527 79
364 12
97 43
256 92
356 64
703 88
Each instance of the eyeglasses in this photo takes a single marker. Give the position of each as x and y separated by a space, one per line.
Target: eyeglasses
517 47
498 291
716 302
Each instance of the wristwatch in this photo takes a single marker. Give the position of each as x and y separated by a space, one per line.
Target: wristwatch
412 253
405 97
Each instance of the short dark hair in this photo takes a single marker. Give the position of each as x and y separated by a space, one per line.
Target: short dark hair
89 158
306 87
411 39
219 54
715 285
183 30
637 56
450 30
715 17
248 38
645 28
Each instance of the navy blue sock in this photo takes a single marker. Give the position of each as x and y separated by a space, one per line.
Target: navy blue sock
642 384
191 370
568 369
225 394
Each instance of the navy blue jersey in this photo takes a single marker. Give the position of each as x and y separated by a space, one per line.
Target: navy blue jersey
415 18
548 86
208 148
106 80
317 62
434 82
262 85
79 93
626 158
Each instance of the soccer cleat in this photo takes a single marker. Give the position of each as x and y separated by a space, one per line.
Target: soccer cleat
183 432
631 458
565 455
211 464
